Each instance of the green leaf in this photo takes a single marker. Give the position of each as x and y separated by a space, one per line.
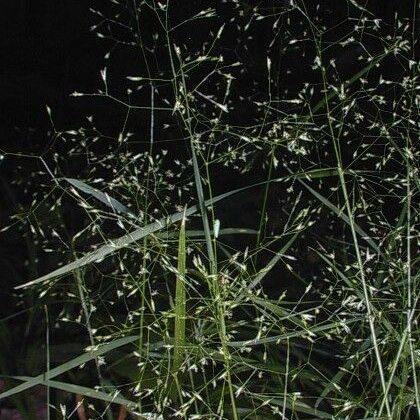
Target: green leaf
291 334
129 238
83 390
200 233
180 301
80 360
321 104
342 216
260 276
99 195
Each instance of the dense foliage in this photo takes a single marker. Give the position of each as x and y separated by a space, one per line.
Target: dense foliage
232 232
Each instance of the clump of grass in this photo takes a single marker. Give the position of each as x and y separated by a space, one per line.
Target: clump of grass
285 287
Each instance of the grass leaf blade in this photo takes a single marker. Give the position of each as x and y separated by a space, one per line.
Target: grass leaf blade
77 361
99 195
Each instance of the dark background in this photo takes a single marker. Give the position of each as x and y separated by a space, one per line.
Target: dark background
47 51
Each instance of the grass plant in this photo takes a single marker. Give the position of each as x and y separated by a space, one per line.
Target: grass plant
242 267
